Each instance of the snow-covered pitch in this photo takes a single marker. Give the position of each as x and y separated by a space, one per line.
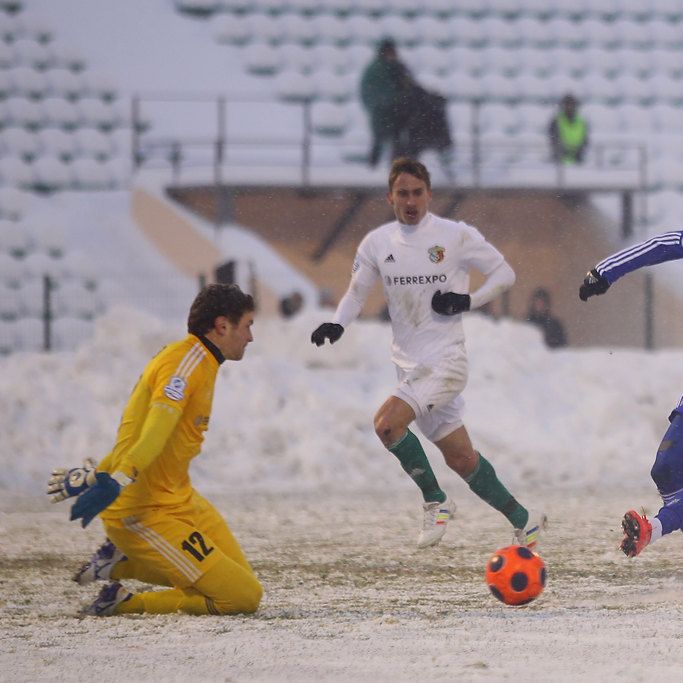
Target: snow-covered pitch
329 520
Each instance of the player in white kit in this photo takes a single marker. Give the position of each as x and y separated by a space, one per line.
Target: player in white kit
424 263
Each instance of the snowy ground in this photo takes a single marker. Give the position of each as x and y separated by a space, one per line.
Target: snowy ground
329 520
349 598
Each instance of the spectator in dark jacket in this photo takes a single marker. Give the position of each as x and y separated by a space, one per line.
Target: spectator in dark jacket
385 87
540 314
403 114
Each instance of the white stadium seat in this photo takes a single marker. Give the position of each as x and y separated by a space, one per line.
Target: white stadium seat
296 58
63 82
233 30
605 9
329 119
11 270
667 34
235 6
99 86
98 113
90 174
73 299
667 118
539 8
48 237
667 9
65 56
37 265
267 29
30 333
17 141
334 86
333 30
30 53
635 119
262 59
433 31
603 61
365 30
28 81
467 31
298 29
10 28
61 112
332 57
58 142
198 7
636 35
431 59
35 28
93 143
274 7
571 62
444 9
636 90
14 239
25 112
400 29
534 118
292 85
305 7
374 8
9 311
495 86
50 173
7 57
15 171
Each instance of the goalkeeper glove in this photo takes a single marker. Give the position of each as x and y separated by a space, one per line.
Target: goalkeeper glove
66 483
593 284
331 331
98 497
450 303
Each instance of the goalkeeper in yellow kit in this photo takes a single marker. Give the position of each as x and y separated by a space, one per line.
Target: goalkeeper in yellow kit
159 529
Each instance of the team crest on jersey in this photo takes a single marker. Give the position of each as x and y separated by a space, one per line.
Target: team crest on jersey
436 254
175 389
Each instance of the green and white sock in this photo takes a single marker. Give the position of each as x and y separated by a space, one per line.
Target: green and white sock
413 459
485 483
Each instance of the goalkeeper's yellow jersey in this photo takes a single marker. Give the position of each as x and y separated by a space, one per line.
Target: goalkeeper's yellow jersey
181 377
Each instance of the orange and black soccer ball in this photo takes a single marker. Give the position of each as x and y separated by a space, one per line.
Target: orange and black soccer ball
515 575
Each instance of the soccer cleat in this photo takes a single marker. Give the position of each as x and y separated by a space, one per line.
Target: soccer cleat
436 517
531 534
637 533
109 597
99 566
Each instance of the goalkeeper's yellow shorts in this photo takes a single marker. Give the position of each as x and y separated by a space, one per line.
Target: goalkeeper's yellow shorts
181 549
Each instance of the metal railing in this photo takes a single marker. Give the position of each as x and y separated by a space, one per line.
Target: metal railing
179 149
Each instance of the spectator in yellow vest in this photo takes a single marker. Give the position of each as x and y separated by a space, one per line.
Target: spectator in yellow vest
568 132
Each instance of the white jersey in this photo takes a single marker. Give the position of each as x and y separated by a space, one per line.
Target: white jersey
414 261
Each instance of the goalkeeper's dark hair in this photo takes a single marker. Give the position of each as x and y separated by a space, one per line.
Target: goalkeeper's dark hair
216 300
410 166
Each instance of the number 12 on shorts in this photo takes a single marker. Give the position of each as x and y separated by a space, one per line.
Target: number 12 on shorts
196 546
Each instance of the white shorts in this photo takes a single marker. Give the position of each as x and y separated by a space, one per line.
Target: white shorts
434 393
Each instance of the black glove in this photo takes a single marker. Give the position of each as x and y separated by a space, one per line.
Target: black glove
593 284
450 303
331 331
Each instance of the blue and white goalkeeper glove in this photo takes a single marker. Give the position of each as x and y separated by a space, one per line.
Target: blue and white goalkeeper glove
99 496
66 483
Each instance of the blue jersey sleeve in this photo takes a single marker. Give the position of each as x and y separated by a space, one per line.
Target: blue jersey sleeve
665 247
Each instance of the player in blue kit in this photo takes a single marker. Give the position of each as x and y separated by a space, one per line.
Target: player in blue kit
667 471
